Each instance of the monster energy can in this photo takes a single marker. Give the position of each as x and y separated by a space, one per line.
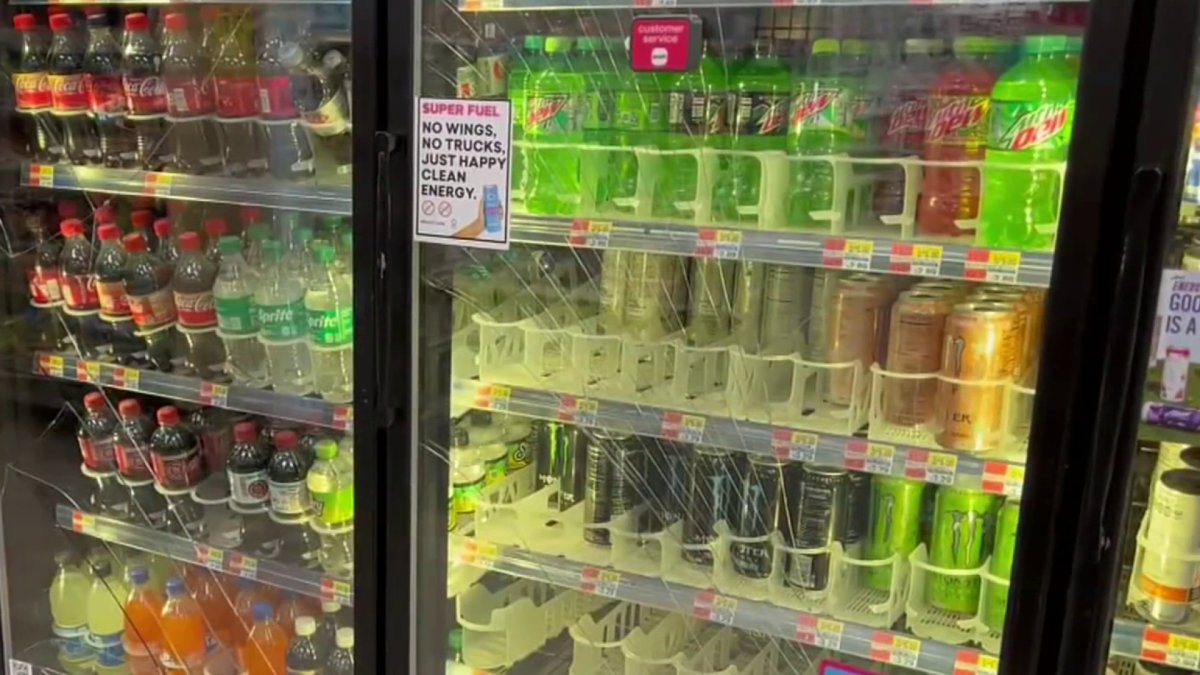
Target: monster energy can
711 489
963 522
895 527
666 482
1002 563
816 501
757 516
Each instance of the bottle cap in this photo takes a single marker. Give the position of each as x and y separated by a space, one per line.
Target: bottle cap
1044 44
290 55
533 43
285 440
168 416
162 228
102 568
330 607
189 242
60 22
324 254
108 232
305 626
130 407
229 244
215 227
139 575
558 45
250 214
923 46
176 22
24 22
826 46
141 219
272 249
137 21
244 432
345 638
210 13
327 448
175 586
106 214
135 243
71 227
94 401
303 235
68 209
263 611
332 60
96 18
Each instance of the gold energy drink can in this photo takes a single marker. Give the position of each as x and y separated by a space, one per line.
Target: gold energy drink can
854 321
918 325
1024 314
979 354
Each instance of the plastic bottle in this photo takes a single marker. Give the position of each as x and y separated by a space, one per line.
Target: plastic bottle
145 90
247 467
286 479
183 629
68 92
236 91
106 93
76 277
956 131
329 304
317 89
279 302
151 302
266 649
248 594
148 508
195 274
341 661
214 229
31 85
697 117
327 628
819 125
131 442
331 486
528 63
96 434
216 604
293 606
105 615
175 453
168 246
301 254
1033 110
554 122
190 101
763 89
143 640
289 147
302 656
237 319
69 594
905 114
638 121
110 266
211 426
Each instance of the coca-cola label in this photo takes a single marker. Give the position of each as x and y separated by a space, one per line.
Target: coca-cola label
196 310
237 97
908 120
189 97
215 444
98 455
131 462
249 488
33 90
113 301
820 108
761 114
69 92
147 95
957 120
79 290
106 94
275 97
178 472
153 310
1020 126
43 285
330 119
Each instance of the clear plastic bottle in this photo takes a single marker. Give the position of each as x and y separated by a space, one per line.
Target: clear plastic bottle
329 304
106 616
341 661
279 301
68 593
237 323
331 486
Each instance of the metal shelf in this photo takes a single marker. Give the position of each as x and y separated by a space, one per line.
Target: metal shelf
493 5
927 656
181 388
306 196
998 476
865 251
268 572
1139 640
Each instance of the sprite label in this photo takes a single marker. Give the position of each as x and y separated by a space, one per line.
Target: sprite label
957 119
284 321
553 114
762 114
236 316
1021 125
331 327
820 108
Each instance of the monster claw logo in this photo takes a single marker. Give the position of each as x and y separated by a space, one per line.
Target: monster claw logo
958 348
961 116
1035 127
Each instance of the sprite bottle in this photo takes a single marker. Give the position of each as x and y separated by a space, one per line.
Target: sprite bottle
819 125
698 105
554 126
528 62
763 87
1033 108
639 121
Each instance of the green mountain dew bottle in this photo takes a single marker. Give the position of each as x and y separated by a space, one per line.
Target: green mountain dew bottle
763 87
528 62
640 120
698 106
597 62
1033 108
554 124
819 125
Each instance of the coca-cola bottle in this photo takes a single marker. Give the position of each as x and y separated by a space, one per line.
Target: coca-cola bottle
68 92
131 442
106 93
212 426
194 276
78 283
190 101
145 91
317 88
289 148
142 221
230 45
31 82
175 453
168 247
148 288
214 229
111 262
96 435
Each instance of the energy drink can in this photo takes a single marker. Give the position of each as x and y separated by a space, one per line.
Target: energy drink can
746 317
614 277
572 467
1001 564
786 298
963 522
858 514
550 441
895 529
711 488
757 516
710 303
918 325
615 463
854 320
980 352
814 331
656 295
818 513
667 466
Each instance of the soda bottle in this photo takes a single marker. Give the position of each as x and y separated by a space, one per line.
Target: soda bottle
291 607
185 518
528 63
145 90
317 90
329 305
637 122
289 148
266 649
286 479
148 288
96 434
327 629
111 261
175 453
762 88
109 498
168 246
236 88
31 84
302 656
214 229
331 486
819 125
183 630
68 595
216 604
68 92
44 277
106 93
341 661
237 319
106 616
902 128
190 102
193 282
598 65
143 634
148 507
247 467
1033 109
554 125
956 132
301 254
860 99
279 302
78 285
131 442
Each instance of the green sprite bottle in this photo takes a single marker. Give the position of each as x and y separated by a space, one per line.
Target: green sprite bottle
554 124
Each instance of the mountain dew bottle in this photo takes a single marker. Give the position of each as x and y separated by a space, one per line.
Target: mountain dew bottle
596 61
554 125
820 124
1033 108
763 87
528 62
639 121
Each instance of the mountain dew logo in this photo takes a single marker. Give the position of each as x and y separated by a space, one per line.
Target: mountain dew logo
552 114
961 117
823 108
1023 126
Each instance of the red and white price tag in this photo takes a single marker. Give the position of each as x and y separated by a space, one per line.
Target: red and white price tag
211 557
479 553
336 590
1000 267
243 565
1160 646
590 233
343 417
127 378
971 662
1003 479
41 175
214 394
83 523
714 607
493 397
919 259
823 633
677 426
157 184
870 457
939 468
55 366
87 371
799 446
895 649
655 3
848 254
599 582
577 410
719 244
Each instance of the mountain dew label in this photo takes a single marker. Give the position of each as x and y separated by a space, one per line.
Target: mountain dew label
552 114
696 113
1021 125
331 327
598 111
762 114
284 321
821 108
957 120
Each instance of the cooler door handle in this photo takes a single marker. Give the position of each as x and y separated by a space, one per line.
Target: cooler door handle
385 147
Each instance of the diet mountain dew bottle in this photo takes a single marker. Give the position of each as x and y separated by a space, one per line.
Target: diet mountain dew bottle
554 125
763 87
1032 111
819 125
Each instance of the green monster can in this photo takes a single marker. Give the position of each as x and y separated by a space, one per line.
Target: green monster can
963 521
895 525
1002 563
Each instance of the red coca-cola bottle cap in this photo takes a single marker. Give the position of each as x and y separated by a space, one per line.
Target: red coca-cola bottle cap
60 22
24 22
215 227
189 242
129 408
71 227
137 21
106 214
135 243
244 432
94 401
286 440
168 416
250 214
141 219
176 22
162 227
109 232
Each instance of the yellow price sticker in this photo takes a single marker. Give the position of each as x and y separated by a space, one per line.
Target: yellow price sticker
988 665
858 253
905 651
880 458
479 554
41 175
926 260
942 468
93 371
83 523
55 366
157 184
1003 266
1183 651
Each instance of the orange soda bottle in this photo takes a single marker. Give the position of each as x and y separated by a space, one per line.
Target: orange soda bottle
249 594
266 649
143 632
215 605
183 631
